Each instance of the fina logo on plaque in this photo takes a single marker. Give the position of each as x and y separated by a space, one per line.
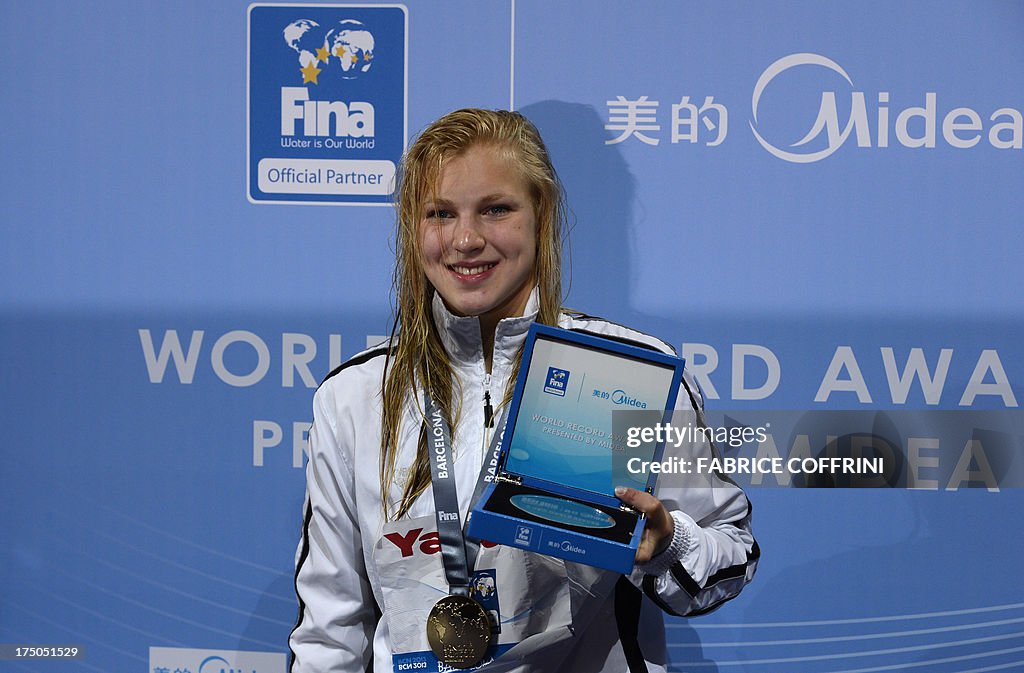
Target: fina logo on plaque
327 101
558 379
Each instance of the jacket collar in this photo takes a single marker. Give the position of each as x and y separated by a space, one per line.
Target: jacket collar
461 334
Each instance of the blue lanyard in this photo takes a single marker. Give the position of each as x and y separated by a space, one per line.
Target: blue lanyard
458 554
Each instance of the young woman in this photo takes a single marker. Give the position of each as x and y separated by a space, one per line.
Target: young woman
480 219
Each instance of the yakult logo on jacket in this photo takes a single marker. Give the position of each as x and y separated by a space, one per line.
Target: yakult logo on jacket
415 540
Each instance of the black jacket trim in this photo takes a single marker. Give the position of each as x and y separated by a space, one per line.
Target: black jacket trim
688 584
651 592
628 600
619 338
365 356
302 559
732 572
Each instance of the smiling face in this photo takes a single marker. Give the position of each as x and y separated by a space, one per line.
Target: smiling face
478 236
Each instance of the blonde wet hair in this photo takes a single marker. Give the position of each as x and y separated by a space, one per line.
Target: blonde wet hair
417 355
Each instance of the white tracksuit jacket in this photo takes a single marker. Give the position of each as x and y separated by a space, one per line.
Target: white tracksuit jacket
577 618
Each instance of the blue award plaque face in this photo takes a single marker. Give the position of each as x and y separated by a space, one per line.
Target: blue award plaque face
562 511
560 459
563 430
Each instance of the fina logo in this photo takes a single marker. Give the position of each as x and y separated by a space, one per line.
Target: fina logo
343 52
557 381
962 127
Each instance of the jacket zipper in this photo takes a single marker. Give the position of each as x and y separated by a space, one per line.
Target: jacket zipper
488 409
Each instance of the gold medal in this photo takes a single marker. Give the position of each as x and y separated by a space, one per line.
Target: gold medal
458 631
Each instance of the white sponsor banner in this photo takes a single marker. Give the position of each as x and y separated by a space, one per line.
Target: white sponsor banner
169 659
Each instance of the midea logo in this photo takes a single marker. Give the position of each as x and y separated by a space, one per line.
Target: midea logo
962 127
620 397
216 664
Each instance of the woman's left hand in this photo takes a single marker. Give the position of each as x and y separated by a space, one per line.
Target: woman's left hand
660 524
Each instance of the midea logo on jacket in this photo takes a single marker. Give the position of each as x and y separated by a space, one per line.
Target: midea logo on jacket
870 121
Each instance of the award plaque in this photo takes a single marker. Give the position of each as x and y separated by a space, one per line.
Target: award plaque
560 461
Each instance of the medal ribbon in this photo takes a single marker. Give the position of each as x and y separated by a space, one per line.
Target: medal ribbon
458 553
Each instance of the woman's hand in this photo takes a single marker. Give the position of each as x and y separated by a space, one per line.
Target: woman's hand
660 524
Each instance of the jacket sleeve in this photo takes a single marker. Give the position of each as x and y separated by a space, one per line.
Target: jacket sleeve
337 610
713 554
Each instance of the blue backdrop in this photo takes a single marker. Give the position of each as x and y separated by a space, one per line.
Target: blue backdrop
818 203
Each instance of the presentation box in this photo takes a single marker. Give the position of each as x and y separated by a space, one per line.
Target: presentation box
554 491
